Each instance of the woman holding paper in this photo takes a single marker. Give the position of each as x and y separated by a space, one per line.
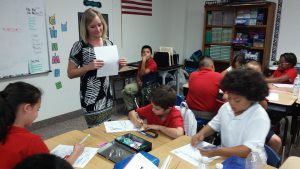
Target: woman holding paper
95 92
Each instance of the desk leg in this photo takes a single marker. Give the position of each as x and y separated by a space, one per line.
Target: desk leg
163 76
293 130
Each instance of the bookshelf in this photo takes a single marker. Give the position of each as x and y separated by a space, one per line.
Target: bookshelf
230 28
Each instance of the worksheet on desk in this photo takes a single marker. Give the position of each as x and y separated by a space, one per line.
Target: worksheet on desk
65 150
120 126
192 154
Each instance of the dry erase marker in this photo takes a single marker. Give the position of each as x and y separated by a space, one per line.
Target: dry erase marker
83 140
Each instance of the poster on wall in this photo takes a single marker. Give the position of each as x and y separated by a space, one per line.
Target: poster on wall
105 16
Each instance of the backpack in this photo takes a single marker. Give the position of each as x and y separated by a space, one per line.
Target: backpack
189 120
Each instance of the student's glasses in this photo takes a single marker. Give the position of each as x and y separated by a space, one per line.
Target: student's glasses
283 63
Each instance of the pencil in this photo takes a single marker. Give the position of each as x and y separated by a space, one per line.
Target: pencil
83 140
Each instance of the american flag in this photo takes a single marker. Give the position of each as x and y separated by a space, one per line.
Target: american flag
137 7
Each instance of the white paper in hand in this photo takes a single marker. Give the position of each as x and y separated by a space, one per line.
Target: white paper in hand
110 56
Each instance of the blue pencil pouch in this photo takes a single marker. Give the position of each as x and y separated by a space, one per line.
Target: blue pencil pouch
123 163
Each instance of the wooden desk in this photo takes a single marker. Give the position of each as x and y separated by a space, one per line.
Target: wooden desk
291 163
75 136
99 132
285 98
128 69
165 149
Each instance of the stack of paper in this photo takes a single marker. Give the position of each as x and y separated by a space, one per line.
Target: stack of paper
191 154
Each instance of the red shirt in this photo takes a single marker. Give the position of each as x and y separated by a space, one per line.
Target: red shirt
291 73
204 88
150 64
173 119
19 144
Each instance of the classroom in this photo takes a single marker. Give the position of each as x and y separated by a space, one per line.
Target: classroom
182 25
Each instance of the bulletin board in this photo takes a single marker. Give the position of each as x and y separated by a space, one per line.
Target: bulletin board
23 44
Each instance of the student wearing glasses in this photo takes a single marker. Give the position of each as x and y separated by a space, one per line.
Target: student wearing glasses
286 72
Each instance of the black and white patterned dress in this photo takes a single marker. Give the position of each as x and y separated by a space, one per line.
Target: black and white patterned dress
95 92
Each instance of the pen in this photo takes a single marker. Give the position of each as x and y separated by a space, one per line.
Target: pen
83 140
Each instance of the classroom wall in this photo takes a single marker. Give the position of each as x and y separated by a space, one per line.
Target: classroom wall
175 23
128 32
289 29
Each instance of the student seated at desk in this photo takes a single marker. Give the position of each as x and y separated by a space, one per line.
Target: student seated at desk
161 114
238 62
203 93
286 72
145 77
19 106
242 121
272 139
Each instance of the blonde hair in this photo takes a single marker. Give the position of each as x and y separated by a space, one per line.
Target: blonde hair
86 19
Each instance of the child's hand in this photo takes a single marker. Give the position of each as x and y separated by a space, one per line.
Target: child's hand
144 58
207 152
78 149
196 139
139 123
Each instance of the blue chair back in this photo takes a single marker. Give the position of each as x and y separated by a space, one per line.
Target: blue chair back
273 157
179 99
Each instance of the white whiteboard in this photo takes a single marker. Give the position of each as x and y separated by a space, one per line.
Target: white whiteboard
23 38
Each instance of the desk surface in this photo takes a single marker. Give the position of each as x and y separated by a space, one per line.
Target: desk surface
127 68
285 98
165 149
291 163
75 136
168 68
100 132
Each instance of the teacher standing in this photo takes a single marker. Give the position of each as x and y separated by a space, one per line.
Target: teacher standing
95 92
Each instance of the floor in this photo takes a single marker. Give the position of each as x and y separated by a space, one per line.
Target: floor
78 123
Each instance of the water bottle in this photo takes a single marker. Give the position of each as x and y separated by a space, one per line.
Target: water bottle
296 86
219 166
203 163
253 160
262 153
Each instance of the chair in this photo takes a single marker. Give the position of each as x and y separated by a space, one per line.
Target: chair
189 121
273 157
150 84
277 114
